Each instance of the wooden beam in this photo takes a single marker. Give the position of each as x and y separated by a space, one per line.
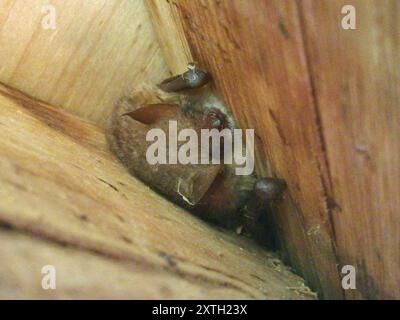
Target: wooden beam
172 39
356 77
82 274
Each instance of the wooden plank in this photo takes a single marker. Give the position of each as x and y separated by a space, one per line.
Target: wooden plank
171 37
59 181
83 274
98 50
357 78
255 53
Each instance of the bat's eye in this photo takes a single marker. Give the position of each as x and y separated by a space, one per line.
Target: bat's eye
214 119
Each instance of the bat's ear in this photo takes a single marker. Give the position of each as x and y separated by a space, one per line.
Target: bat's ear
191 79
152 113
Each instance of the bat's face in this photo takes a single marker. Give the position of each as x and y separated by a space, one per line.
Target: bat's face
209 111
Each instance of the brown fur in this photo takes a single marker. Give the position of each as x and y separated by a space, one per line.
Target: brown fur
213 192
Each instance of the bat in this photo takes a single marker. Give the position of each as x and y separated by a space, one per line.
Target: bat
212 191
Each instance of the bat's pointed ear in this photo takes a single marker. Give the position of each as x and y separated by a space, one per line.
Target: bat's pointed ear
191 79
152 113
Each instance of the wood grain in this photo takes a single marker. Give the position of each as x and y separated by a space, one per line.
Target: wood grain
172 39
357 79
255 53
82 274
99 50
59 181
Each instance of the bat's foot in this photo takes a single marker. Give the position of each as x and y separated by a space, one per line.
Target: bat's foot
191 79
265 191
269 189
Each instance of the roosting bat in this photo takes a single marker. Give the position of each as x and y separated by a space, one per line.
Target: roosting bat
212 191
